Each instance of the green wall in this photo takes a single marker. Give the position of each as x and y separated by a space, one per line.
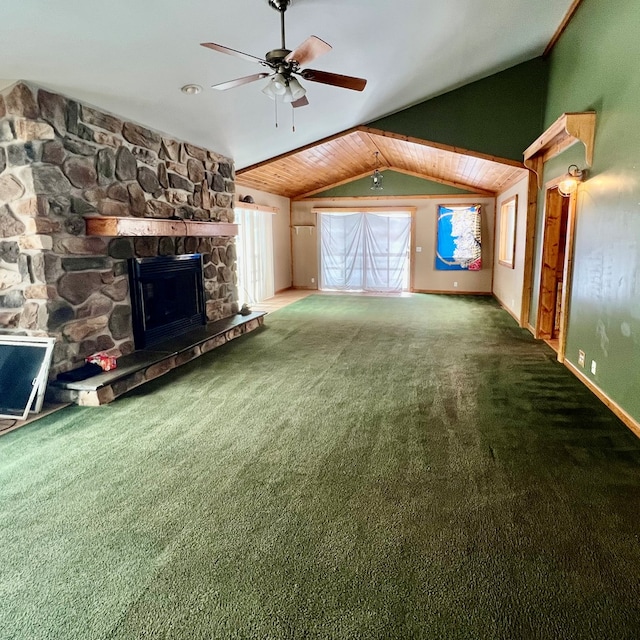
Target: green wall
395 184
500 115
596 65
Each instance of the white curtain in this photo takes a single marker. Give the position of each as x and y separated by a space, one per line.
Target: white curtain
364 251
254 246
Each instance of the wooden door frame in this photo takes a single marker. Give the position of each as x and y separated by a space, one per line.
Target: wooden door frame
567 270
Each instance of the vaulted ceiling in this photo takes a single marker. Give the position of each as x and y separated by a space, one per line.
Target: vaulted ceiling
352 155
132 58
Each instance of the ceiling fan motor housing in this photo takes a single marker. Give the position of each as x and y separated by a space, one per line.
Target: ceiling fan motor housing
279 5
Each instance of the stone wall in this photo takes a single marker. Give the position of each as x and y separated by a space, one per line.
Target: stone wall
60 161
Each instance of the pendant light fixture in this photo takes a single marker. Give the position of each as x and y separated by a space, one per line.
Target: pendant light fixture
377 177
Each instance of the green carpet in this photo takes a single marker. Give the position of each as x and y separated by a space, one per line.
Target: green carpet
359 468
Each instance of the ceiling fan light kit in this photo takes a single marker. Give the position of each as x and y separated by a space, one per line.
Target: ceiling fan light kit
285 64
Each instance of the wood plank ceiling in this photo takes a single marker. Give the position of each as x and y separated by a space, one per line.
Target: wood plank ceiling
351 155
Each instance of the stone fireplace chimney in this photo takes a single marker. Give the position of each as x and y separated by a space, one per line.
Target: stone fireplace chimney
64 165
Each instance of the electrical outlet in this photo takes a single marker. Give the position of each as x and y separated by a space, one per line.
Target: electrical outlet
581 358
455 284
418 249
593 367
313 280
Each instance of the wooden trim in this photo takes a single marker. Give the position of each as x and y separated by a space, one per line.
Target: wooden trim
561 29
552 215
568 129
291 273
410 210
293 152
439 145
412 249
512 183
530 239
629 420
454 292
509 311
463 196
567 274
386 134
531 329
121 226
497 241
248 206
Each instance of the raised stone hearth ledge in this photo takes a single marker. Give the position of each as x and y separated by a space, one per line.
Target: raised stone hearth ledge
120 226
147 364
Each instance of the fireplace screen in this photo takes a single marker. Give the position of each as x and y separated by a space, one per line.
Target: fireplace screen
167 297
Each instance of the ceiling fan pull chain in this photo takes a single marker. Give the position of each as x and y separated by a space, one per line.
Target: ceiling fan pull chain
276 107
293 120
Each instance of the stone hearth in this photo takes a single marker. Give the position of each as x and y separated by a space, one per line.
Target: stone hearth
62 161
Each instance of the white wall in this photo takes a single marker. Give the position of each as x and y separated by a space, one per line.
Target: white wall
425 277
507 282
281 232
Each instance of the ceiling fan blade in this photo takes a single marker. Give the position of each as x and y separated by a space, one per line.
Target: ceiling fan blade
223 86
232 52
308 51
335 79
300 102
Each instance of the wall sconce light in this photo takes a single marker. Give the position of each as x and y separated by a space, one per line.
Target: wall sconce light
569 183
377 177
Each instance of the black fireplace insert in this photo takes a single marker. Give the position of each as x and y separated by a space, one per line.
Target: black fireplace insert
167 297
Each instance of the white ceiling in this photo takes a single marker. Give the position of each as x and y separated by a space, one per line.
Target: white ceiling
131 57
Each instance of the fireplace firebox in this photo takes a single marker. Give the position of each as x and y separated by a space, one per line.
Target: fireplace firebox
167 297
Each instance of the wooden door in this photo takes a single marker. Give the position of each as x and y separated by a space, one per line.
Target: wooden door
553 267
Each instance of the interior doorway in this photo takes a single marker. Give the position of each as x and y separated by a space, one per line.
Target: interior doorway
555 273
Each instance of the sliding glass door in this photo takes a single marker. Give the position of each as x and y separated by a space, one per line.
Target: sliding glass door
255 255
365 251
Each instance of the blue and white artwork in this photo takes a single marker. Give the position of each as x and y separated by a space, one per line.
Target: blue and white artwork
459 243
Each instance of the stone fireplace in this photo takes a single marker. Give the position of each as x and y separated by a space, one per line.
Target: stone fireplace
82 192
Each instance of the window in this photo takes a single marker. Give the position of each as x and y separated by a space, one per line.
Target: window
255 255
365 251
507 232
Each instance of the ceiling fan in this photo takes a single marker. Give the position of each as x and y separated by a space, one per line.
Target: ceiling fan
284 64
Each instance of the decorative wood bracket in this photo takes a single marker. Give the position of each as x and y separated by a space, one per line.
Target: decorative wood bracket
114 226
568 129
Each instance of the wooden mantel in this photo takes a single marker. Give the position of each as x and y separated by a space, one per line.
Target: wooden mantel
120 226
568 129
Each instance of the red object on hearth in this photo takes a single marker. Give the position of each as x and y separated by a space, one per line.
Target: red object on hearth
104 360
